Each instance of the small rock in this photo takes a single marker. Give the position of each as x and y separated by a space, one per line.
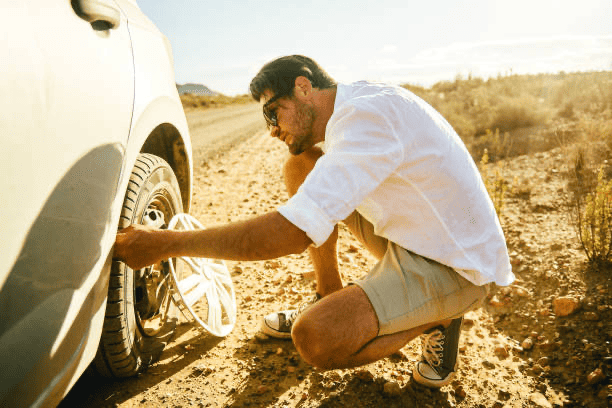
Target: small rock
501 351
272 265
520 291
460 392
364 375
539 400
392 388
262 389
503 395
488 365
596 376
495 301
280 351
565 305
201 369
247 298
527 344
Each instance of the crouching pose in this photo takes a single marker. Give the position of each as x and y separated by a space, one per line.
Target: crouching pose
385 163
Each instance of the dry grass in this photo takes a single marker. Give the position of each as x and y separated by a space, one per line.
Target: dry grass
530 112
191 101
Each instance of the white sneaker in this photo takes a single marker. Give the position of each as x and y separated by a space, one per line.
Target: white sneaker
279 324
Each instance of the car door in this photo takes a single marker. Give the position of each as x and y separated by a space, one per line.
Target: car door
66 99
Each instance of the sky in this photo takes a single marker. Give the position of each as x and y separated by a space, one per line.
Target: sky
223 44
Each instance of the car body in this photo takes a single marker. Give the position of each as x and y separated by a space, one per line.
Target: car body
79 101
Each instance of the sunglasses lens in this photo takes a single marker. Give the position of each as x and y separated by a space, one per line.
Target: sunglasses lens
269 115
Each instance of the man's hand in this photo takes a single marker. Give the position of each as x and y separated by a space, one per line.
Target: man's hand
138 246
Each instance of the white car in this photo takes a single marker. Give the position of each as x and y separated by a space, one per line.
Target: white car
94 137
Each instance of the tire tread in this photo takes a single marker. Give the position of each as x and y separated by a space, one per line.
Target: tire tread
119 355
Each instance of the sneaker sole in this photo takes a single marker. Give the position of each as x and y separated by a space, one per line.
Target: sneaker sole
269 331
430 382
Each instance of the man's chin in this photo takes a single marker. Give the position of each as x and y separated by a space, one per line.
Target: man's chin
295 149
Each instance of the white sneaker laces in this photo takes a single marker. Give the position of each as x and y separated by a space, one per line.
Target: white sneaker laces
433 348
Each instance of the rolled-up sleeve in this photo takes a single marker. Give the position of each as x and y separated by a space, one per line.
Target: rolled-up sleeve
363 150
304 213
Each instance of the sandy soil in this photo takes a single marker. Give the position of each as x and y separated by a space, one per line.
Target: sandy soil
515 351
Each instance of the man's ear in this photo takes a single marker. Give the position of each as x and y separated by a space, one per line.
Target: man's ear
303 87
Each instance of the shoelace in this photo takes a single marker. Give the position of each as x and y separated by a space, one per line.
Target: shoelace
294 314
433 348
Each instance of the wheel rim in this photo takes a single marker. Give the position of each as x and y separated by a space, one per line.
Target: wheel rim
205 296
152 285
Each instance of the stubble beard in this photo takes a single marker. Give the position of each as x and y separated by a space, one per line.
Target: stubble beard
303 139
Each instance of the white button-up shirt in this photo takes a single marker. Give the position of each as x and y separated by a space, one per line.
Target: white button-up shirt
393 158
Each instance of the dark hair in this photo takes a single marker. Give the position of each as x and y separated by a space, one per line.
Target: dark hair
279 76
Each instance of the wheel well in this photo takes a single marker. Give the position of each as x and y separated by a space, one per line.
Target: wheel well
166 142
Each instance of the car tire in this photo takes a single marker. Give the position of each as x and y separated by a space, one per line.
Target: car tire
138 299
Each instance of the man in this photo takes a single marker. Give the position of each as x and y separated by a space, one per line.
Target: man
401 179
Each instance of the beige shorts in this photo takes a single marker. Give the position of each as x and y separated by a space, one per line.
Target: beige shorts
408 290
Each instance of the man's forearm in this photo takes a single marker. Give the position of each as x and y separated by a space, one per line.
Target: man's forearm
264 237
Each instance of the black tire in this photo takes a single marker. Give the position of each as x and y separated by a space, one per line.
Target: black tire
136 298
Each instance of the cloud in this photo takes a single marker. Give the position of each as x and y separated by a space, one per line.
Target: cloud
490 58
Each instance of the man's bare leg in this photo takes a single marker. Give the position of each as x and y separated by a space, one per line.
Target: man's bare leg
341 331
324 258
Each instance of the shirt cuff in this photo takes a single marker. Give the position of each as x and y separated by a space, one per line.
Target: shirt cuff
304 213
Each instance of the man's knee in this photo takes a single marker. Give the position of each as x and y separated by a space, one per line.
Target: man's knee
309 340
298 167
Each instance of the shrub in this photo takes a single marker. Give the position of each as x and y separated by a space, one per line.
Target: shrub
517 113
494 182
593 220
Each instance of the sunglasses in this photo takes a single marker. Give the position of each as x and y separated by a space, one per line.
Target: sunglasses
269 114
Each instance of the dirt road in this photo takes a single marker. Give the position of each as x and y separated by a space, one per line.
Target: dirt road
216 130
514 351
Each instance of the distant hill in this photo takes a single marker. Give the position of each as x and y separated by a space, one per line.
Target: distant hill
196 89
